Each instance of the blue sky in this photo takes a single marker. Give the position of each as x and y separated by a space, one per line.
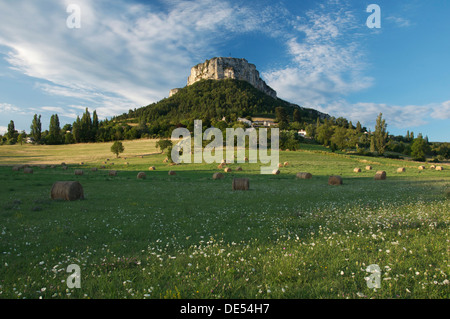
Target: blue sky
317 54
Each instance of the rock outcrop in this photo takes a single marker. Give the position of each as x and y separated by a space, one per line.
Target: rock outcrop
229 68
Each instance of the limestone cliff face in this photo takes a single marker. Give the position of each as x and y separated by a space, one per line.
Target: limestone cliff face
229 68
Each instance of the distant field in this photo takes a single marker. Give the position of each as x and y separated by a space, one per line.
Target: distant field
188 236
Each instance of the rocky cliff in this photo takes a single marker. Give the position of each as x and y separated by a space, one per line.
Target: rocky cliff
229 68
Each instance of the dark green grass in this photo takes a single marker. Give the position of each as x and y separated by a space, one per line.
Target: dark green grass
188 236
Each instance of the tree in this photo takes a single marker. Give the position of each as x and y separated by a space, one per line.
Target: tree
54 131
281 115
162 144
36 128
419 148
380 135
11 130
297 117
117 148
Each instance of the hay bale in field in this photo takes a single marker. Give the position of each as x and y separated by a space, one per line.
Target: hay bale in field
16 168
63 164
43 166
357 170
245 159
439 168
421 167
218 176
380 175
82 163
303 175
227 170
276 172
280 165
220 166
112 173
141 175
368 168
172 173
152 168
112 164
28 170
335 180
432 166
64 168
239 168
401 170
126 163
102 167
69 190
240 184
165 160
94 169
79 172
286 163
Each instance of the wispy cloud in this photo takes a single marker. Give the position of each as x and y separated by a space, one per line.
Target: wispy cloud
399 21
123 56
326 60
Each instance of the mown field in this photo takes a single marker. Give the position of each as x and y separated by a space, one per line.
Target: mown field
188 236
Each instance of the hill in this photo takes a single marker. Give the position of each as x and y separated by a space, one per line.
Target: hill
213 100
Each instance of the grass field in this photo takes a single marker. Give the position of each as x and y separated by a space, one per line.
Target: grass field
188 236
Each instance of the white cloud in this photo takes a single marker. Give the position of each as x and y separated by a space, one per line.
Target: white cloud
441 111
326 60
401 22
3 130
123 56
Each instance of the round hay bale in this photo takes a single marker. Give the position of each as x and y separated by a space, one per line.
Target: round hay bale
82 163
439 168
227 170
240 184
94 169
112 173
357 170
28 170
112 164
165 160
368 168
79 172
239 168
245 159
126 163
105 163
69 190
286 163
401 170
172 173
303 175
220 166
276 172
223 162
280 165
63 164
102 167
380 175
152 168
16 168
107 159
64 168
141 175
432 166
217 176
335 180
421 167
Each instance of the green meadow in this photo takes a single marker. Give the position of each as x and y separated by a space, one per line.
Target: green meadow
189 236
